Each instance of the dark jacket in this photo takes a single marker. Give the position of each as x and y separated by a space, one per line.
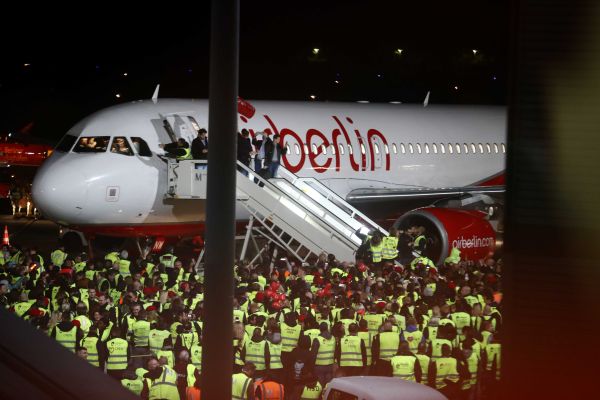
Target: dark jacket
197 149
270 148
244 149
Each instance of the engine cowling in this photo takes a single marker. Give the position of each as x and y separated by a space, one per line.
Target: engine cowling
467 230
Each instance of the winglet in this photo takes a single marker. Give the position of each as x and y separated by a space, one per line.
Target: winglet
425 102
155 95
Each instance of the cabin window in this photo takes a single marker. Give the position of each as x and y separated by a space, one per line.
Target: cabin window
488 147
296 149
350 151
92 144
473 150
333 149
435 150
394 148
427 148
120 145
503 148
386 149
410 148
419 148
496 148
141 147
305 149
341 149
457 147
466 148
376 148
66 143
362 149
403 148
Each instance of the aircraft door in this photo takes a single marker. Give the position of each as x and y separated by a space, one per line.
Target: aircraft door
182 126
377 152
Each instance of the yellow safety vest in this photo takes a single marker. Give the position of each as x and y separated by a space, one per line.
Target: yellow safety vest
134 385
312 334
424 363
186 156
436 347
473 365
90 343
191 376
67 338
403 367
446 369
377 252
124 268
117 354
168 260
239 386
418 240
368 339
326 351
196 356
289 336
461 319
312 392
84 323
374 321
141 333
390 247
413 339
255 352
350 352
168 355
275 352
156 339
432 333
113 257
493 350
388 345
22 307
58 257
189 338
165 387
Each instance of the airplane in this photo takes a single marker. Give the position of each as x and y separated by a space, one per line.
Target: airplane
366 153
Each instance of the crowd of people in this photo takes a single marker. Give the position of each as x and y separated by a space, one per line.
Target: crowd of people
295 326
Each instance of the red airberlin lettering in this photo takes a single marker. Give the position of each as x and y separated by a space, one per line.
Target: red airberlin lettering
320 161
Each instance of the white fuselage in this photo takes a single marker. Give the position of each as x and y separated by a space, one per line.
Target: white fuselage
346 146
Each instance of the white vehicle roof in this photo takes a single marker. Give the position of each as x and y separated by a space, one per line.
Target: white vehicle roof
384 388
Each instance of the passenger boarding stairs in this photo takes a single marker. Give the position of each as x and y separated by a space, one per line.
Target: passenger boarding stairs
301 215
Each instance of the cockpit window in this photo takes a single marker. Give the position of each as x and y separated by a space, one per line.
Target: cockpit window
120 145
91 144
66 143
141 147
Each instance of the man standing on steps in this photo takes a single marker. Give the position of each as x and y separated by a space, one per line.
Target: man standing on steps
273 152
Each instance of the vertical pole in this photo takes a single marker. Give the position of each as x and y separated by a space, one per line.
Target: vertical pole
247 238
217 355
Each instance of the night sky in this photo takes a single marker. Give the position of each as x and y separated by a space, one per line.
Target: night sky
77 57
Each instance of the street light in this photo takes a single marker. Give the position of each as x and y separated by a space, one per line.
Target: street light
313 97
398 52
475 52
315 51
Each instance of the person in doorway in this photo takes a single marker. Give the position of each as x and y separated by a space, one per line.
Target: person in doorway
200 146
273 152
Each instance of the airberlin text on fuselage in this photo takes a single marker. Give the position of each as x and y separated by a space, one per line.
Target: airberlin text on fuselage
339 135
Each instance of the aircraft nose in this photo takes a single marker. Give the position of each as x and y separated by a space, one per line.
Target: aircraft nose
60 193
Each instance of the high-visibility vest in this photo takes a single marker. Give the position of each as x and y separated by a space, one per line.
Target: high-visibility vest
350 352
413 339
326 351
269 390
168 260
388 345
377 252
84 323
67 338
113 257
90 343
189 338
418 240
312 334
473 366
445 369
493 350
239 386
255 352
156 339
390 247
196 356
117 354
58 257
374 321
403 367
424 363
289 336
165 387
191 376
22 307
311 392
368 339
186 156
168 355
275 353
436 347
134 385
431 333
124 268
461 319
90 274
141 333
423 260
